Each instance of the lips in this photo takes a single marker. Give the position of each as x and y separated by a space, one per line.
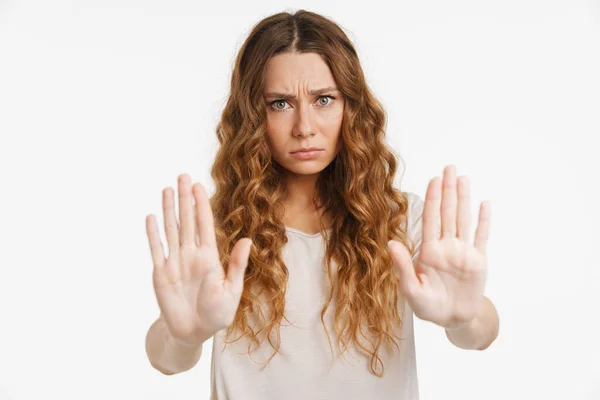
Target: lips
307 155
306 149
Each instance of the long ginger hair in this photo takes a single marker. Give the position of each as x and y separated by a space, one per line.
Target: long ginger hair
356 189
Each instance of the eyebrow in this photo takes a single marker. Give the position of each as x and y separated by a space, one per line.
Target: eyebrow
286 96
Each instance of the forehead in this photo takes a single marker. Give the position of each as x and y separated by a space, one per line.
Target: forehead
285 71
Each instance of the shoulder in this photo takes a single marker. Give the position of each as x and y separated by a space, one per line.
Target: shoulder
415 205
414 214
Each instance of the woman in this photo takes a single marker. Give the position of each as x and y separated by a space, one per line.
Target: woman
292 275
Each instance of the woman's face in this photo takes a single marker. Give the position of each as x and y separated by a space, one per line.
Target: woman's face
304 109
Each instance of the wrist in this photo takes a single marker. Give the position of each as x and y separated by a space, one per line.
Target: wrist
191 344
465 336
459 326
186 344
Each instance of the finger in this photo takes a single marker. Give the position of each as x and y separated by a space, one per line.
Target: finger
170 221
237 265
483 226
205 219
431 211
464 206
449 200
156 247
424 280
186 213
409 283
196 224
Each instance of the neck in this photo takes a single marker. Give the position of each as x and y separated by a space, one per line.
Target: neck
300 191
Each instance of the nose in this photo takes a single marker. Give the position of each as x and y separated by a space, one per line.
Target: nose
305 125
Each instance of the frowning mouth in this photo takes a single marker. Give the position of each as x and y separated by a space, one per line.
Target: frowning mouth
306 155
306 149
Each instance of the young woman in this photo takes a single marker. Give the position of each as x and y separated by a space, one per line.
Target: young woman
293 276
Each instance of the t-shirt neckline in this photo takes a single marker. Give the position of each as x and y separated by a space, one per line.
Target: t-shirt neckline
298 231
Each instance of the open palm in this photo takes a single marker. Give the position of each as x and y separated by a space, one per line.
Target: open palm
446 283
195 295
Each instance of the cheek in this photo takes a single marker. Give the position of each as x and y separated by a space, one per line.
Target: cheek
331 119
278 122
275 136
332 114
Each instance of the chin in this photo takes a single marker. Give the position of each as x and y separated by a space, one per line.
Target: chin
314 169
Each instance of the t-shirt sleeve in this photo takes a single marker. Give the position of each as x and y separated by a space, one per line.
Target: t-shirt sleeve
416 206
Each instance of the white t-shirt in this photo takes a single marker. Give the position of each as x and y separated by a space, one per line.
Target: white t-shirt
303 368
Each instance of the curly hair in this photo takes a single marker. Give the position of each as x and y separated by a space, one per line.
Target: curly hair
356 189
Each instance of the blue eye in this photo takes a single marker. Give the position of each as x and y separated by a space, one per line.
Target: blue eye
278 101
326 97
272 104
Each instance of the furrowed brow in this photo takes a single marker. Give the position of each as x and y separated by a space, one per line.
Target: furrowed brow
286 96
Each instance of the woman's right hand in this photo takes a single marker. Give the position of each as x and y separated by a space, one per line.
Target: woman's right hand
195 297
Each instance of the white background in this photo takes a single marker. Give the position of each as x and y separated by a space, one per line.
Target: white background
104 103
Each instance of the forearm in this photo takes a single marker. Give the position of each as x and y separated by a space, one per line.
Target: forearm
481 332
166 354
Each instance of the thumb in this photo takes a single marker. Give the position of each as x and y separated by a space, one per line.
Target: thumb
238 263
409 282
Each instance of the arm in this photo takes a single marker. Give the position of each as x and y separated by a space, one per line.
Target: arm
481 332
166 354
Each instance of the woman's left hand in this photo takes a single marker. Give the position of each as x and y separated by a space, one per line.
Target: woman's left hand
446 284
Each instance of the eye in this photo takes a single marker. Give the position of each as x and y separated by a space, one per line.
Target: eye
274 102
326 97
